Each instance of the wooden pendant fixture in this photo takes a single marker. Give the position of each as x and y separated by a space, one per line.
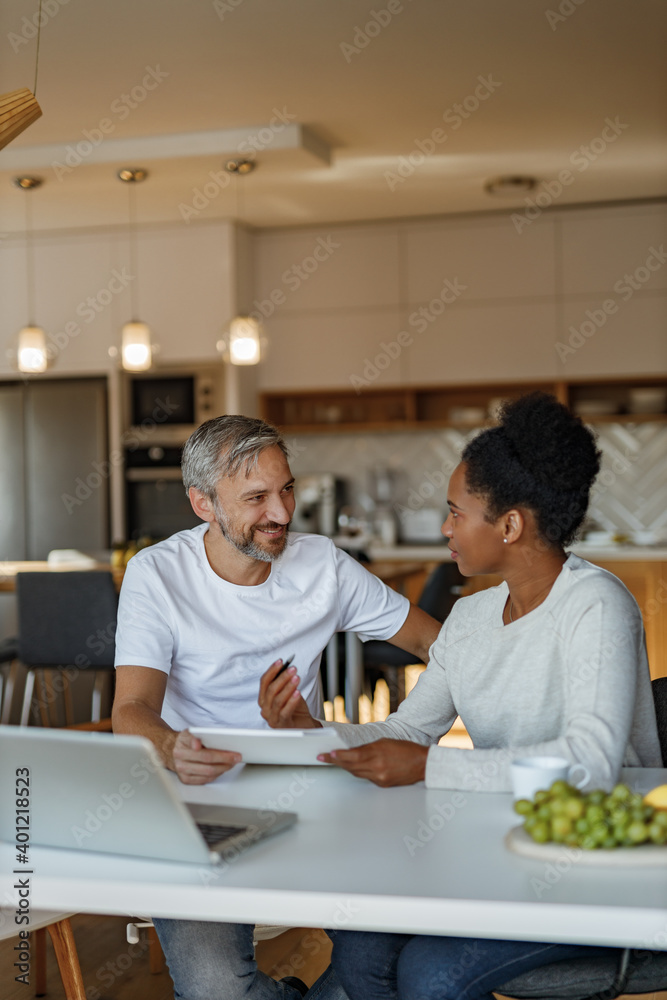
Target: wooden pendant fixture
18 109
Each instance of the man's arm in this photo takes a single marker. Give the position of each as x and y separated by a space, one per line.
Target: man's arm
417 634
136 710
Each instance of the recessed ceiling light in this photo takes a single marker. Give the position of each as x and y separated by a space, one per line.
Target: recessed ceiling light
508 187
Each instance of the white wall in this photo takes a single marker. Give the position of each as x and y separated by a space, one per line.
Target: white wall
524 291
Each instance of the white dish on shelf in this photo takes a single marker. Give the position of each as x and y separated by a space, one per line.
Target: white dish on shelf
651 399
596 407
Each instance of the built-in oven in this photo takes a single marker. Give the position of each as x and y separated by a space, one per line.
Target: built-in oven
156 502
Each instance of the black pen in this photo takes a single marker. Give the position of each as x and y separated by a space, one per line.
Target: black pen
286 664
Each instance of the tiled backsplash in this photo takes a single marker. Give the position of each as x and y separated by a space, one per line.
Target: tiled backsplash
630 493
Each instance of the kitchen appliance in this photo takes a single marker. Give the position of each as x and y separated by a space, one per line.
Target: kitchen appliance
319 497
169 405
156 502
422 526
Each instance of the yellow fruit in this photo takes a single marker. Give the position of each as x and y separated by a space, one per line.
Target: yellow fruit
657 797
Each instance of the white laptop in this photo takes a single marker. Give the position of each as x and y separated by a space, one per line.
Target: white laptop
101 792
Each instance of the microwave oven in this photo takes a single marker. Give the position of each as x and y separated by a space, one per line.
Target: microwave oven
168 405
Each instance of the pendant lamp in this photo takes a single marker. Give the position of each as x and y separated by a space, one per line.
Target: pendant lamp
136 350
32 355
244 343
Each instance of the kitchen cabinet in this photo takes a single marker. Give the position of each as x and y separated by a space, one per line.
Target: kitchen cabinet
54 465
635 400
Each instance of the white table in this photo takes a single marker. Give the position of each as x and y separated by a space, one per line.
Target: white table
346 864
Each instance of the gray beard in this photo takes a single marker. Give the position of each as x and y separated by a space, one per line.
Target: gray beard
247 546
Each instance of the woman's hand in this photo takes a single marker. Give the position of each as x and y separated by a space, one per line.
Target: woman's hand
281 702
385 762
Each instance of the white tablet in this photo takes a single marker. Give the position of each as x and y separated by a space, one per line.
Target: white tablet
273 746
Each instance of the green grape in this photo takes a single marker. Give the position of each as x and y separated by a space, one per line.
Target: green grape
540 832
541 796
661 818
544 811
574 808
609 842
561 787
560 827
524 807
599 832
620 793
637 832
596 797
581 826
657 833
594 814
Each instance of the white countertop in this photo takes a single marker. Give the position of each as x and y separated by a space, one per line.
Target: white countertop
438 552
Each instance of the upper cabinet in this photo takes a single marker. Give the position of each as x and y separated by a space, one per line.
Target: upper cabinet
460 405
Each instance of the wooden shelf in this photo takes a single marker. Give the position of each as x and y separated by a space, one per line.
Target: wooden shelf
460 406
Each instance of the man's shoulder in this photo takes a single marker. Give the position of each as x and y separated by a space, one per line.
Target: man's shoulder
176 547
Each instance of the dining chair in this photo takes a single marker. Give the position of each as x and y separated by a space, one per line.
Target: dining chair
62 938
382 659
604 978
67 624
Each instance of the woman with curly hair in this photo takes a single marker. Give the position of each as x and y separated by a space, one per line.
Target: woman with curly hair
551 662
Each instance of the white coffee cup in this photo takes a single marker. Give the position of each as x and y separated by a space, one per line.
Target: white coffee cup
530 774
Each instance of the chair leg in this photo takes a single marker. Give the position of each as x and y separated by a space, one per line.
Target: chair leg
9 693
67 701
155 953
96 709
39 944
68 960
27 697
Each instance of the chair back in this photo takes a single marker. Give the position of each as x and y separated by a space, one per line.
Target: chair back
438 596
67 618
659 688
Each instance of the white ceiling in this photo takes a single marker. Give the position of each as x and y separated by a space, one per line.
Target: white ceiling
231 64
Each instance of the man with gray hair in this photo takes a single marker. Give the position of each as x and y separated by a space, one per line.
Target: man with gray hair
203 614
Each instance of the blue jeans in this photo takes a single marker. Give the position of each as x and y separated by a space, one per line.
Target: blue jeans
374 966
213 961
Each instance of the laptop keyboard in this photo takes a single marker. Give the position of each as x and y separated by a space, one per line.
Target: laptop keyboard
215 833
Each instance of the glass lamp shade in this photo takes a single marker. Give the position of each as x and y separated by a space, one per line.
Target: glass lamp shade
136 352
32 349
244 341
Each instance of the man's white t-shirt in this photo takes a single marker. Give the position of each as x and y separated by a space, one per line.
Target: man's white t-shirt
215 639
